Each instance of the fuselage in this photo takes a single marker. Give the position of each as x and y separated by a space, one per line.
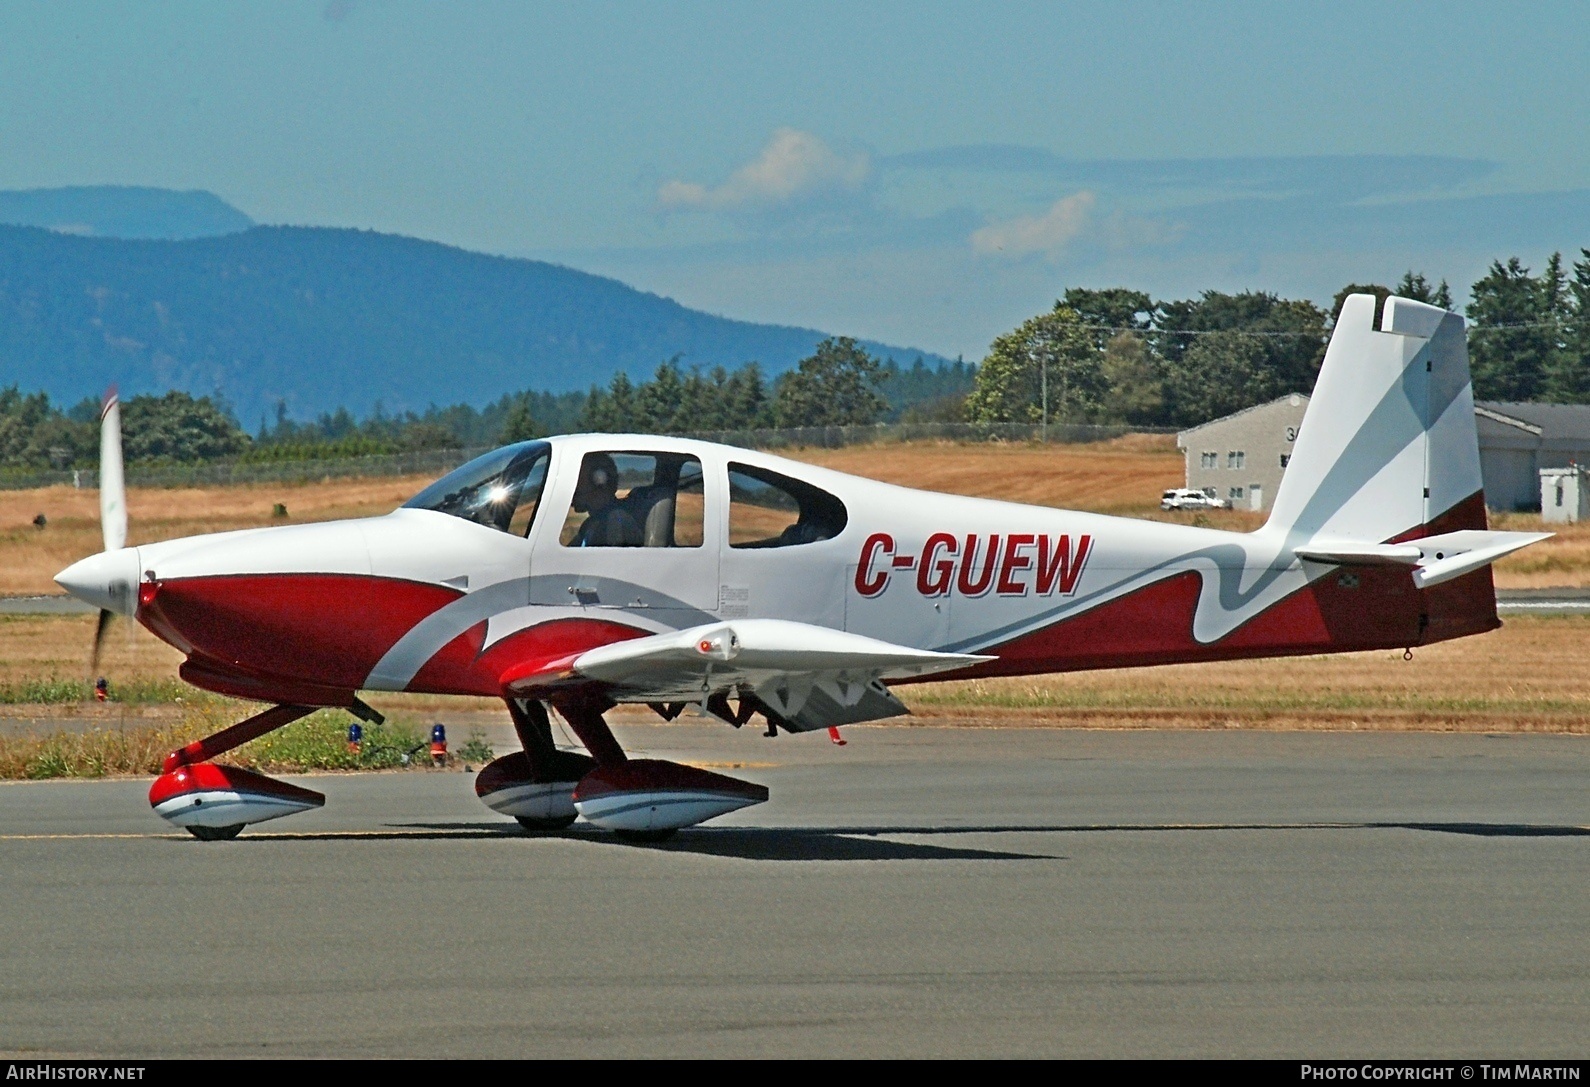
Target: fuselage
445 596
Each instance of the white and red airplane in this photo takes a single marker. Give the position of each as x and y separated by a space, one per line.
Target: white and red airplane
590 570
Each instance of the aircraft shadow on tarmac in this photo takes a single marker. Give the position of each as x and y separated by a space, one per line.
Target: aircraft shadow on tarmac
749 843
864 843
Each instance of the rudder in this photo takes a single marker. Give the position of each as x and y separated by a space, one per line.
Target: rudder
1388 448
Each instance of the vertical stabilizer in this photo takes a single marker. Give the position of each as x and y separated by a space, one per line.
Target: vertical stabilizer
1388 444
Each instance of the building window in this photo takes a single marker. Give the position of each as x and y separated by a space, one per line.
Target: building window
1284 458
1234 458
1210 460
1236 494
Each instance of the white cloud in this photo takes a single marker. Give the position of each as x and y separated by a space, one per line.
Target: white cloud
1048 233
794 166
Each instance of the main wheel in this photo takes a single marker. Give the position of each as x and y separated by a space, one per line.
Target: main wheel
544 826
216 834
645 836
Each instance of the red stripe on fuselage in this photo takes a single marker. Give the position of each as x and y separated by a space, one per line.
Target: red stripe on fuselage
268 635
1351 608
329 629
460 667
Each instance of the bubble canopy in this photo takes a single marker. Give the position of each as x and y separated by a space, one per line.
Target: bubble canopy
499 489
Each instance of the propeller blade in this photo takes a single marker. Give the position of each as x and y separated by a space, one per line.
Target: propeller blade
112 484
106 617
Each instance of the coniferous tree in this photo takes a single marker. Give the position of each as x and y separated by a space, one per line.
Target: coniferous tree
659 402
1415 286
1513 334
1568 378
519 425
611 411
747 406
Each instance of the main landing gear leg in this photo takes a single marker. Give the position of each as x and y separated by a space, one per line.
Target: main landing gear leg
645 800
536 785
585 718
216 802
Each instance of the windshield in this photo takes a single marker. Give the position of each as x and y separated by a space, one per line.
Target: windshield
499 489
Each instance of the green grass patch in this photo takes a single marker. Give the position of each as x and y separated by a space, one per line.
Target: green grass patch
316 742
93 753
57 690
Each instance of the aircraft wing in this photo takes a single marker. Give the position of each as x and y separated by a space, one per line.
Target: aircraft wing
810 676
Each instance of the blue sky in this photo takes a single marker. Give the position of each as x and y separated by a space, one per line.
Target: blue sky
927 174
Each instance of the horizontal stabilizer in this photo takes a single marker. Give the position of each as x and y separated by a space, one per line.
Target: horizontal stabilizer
1457 553
1354 553
1434 559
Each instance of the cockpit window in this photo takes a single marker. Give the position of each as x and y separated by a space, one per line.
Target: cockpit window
771 510
500 489
636 500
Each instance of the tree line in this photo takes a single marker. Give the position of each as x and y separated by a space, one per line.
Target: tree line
839 384
1118 356
1112 355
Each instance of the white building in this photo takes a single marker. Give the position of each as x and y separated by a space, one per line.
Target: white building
1241 457
1564 494
1518 440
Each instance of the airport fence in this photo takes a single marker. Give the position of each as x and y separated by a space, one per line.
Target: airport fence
435 462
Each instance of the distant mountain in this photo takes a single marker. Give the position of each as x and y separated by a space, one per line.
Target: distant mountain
122 211
324 318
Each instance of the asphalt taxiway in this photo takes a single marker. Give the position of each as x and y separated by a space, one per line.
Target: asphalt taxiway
919 892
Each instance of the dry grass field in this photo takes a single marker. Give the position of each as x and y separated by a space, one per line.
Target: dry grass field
1125 476
30 557
1533 675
